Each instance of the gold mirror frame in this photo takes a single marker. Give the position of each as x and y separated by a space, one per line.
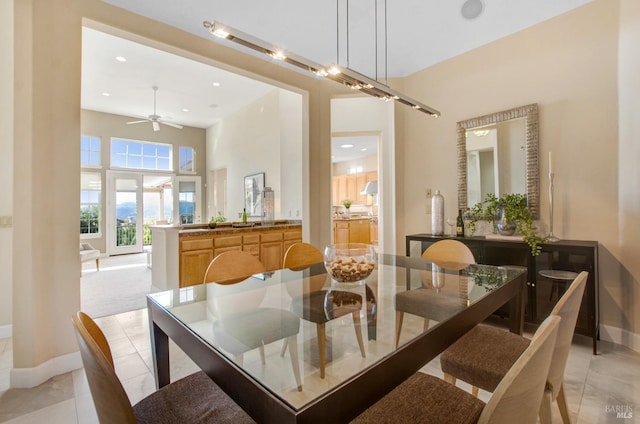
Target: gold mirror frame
530 115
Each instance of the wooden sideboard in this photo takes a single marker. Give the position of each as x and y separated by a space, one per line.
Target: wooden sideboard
548 274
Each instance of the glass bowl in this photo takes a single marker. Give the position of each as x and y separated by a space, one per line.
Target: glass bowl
350 262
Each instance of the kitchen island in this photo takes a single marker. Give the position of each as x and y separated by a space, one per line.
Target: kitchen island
361 229
181 253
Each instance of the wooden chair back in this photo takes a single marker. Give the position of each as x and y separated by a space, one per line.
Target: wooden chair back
301 255
232 267
519 395
567 308
449 254
110 399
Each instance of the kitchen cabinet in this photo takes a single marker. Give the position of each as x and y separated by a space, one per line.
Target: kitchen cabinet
549 274
341 231
349 187
196 251
352 231
196 255
339 189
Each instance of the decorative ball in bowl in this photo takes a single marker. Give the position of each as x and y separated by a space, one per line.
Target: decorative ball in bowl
350 262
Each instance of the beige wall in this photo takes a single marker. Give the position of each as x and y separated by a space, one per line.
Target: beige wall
569 66
107 125
46 186
626 294
6 162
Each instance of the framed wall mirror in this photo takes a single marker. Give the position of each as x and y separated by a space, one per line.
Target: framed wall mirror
498 153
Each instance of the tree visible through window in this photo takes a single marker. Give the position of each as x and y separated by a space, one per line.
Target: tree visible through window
90 196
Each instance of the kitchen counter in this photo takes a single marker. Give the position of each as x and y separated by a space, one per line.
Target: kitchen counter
231 228
181 253
356 218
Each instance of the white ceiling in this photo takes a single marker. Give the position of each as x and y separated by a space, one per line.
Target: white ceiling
182 83
361 146
420 33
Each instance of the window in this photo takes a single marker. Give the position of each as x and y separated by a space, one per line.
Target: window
89 151
90 196
186 160
140 155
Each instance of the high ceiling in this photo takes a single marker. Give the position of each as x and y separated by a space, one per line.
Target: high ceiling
419 33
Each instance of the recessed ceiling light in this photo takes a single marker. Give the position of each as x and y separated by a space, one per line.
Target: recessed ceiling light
364 149
471 9
105 94
346 146
216 84
185 110
121 58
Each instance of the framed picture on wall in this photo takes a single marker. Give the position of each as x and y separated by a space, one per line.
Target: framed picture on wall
253 186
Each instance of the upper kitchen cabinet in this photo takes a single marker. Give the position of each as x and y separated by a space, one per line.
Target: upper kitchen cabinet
350 186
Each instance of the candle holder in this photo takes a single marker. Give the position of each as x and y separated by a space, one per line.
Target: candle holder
551 238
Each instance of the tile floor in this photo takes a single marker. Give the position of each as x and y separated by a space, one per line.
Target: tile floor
595 385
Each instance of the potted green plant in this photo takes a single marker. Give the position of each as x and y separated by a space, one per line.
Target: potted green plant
513 208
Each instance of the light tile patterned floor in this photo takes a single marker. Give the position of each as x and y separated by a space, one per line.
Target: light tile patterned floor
596 386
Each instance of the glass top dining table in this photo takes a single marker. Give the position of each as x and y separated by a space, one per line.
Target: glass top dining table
410 310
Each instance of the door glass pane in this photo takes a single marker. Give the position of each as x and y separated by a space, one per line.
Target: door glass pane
168 204
187 201
126 211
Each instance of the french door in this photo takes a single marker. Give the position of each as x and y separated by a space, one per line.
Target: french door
187 205
124 212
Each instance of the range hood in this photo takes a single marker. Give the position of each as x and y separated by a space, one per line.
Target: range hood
370 188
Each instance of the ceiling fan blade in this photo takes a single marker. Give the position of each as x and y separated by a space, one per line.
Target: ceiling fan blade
156 126
137 122
171 124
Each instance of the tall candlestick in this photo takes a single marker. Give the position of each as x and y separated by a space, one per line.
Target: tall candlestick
550 163
551 237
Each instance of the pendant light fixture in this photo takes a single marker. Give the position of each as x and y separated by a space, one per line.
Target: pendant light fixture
340 74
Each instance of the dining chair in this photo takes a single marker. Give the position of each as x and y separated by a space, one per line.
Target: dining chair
424 301
428 399
248 326
484 355
317 304
232 267
192 399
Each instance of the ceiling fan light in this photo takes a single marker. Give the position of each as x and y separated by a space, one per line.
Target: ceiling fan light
156 126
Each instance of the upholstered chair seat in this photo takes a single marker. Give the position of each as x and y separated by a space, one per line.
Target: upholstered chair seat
476 359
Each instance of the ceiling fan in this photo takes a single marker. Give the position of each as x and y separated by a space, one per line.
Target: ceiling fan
156 119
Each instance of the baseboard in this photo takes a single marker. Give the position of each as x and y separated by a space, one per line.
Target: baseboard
620 336
6 331
25 378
